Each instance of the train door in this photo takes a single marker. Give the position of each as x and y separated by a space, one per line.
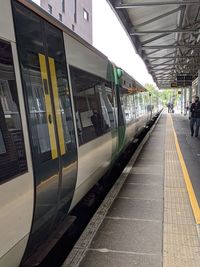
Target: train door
120 108
51 129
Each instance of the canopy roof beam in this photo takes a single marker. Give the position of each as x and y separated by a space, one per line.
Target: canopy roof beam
179 57
172 46
158 17
177 30
163 3
155 38
163 63
150 53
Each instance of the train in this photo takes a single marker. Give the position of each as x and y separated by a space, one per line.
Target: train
67 113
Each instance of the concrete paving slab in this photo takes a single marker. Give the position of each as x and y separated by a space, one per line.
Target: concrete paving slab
119 259
154 179
137 236
150 169
137 208
151 161
143 192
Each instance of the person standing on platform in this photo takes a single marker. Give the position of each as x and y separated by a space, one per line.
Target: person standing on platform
172 108
195 116
169 106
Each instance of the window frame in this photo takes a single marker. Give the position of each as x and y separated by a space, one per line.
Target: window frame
17 147
85 14
63 6
60 17
99 109
50 9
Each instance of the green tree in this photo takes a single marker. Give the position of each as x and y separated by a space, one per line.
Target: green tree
166 95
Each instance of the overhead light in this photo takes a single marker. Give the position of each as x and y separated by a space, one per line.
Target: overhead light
187 60
198 38
192 51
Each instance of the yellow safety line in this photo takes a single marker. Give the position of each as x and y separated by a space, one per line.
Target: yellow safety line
57 105
49 113
192 197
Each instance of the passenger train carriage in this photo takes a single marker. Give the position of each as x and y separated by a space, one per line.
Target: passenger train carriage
66 115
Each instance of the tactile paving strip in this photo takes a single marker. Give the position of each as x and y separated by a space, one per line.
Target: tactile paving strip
181 246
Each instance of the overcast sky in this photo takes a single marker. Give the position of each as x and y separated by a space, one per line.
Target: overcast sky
110 38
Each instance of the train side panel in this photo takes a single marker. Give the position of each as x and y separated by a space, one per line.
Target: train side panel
16 177
95 148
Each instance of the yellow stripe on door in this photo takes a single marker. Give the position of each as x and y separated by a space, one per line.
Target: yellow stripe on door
49 114
57 105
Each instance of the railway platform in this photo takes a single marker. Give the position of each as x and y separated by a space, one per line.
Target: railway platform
150 217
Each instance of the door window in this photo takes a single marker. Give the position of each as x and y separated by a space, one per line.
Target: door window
12 150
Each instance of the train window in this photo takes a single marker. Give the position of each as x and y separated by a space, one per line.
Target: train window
128 100
32 61
59 80
136 101
12 150
107 105
91 105
2 144
141 104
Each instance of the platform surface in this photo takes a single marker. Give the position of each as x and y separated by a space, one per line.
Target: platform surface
151 222
190 147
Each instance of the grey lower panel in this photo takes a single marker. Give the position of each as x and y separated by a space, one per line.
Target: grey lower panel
14 256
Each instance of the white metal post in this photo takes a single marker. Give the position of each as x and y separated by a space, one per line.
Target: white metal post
198 90
185 100
182 100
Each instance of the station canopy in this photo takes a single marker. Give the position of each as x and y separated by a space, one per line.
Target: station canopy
166 34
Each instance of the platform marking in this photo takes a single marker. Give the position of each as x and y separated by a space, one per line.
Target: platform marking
106 250
192 196
130 219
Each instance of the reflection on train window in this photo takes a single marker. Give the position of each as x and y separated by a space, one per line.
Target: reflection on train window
129 105
12 150
107 105
31 55
58 59
94 111
2 144
139 104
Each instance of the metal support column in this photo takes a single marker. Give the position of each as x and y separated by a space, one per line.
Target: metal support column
198 90
185 101
182 100
190 94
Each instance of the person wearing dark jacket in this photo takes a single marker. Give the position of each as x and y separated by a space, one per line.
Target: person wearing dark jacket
195 116
96 121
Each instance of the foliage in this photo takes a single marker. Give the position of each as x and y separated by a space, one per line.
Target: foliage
166 96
